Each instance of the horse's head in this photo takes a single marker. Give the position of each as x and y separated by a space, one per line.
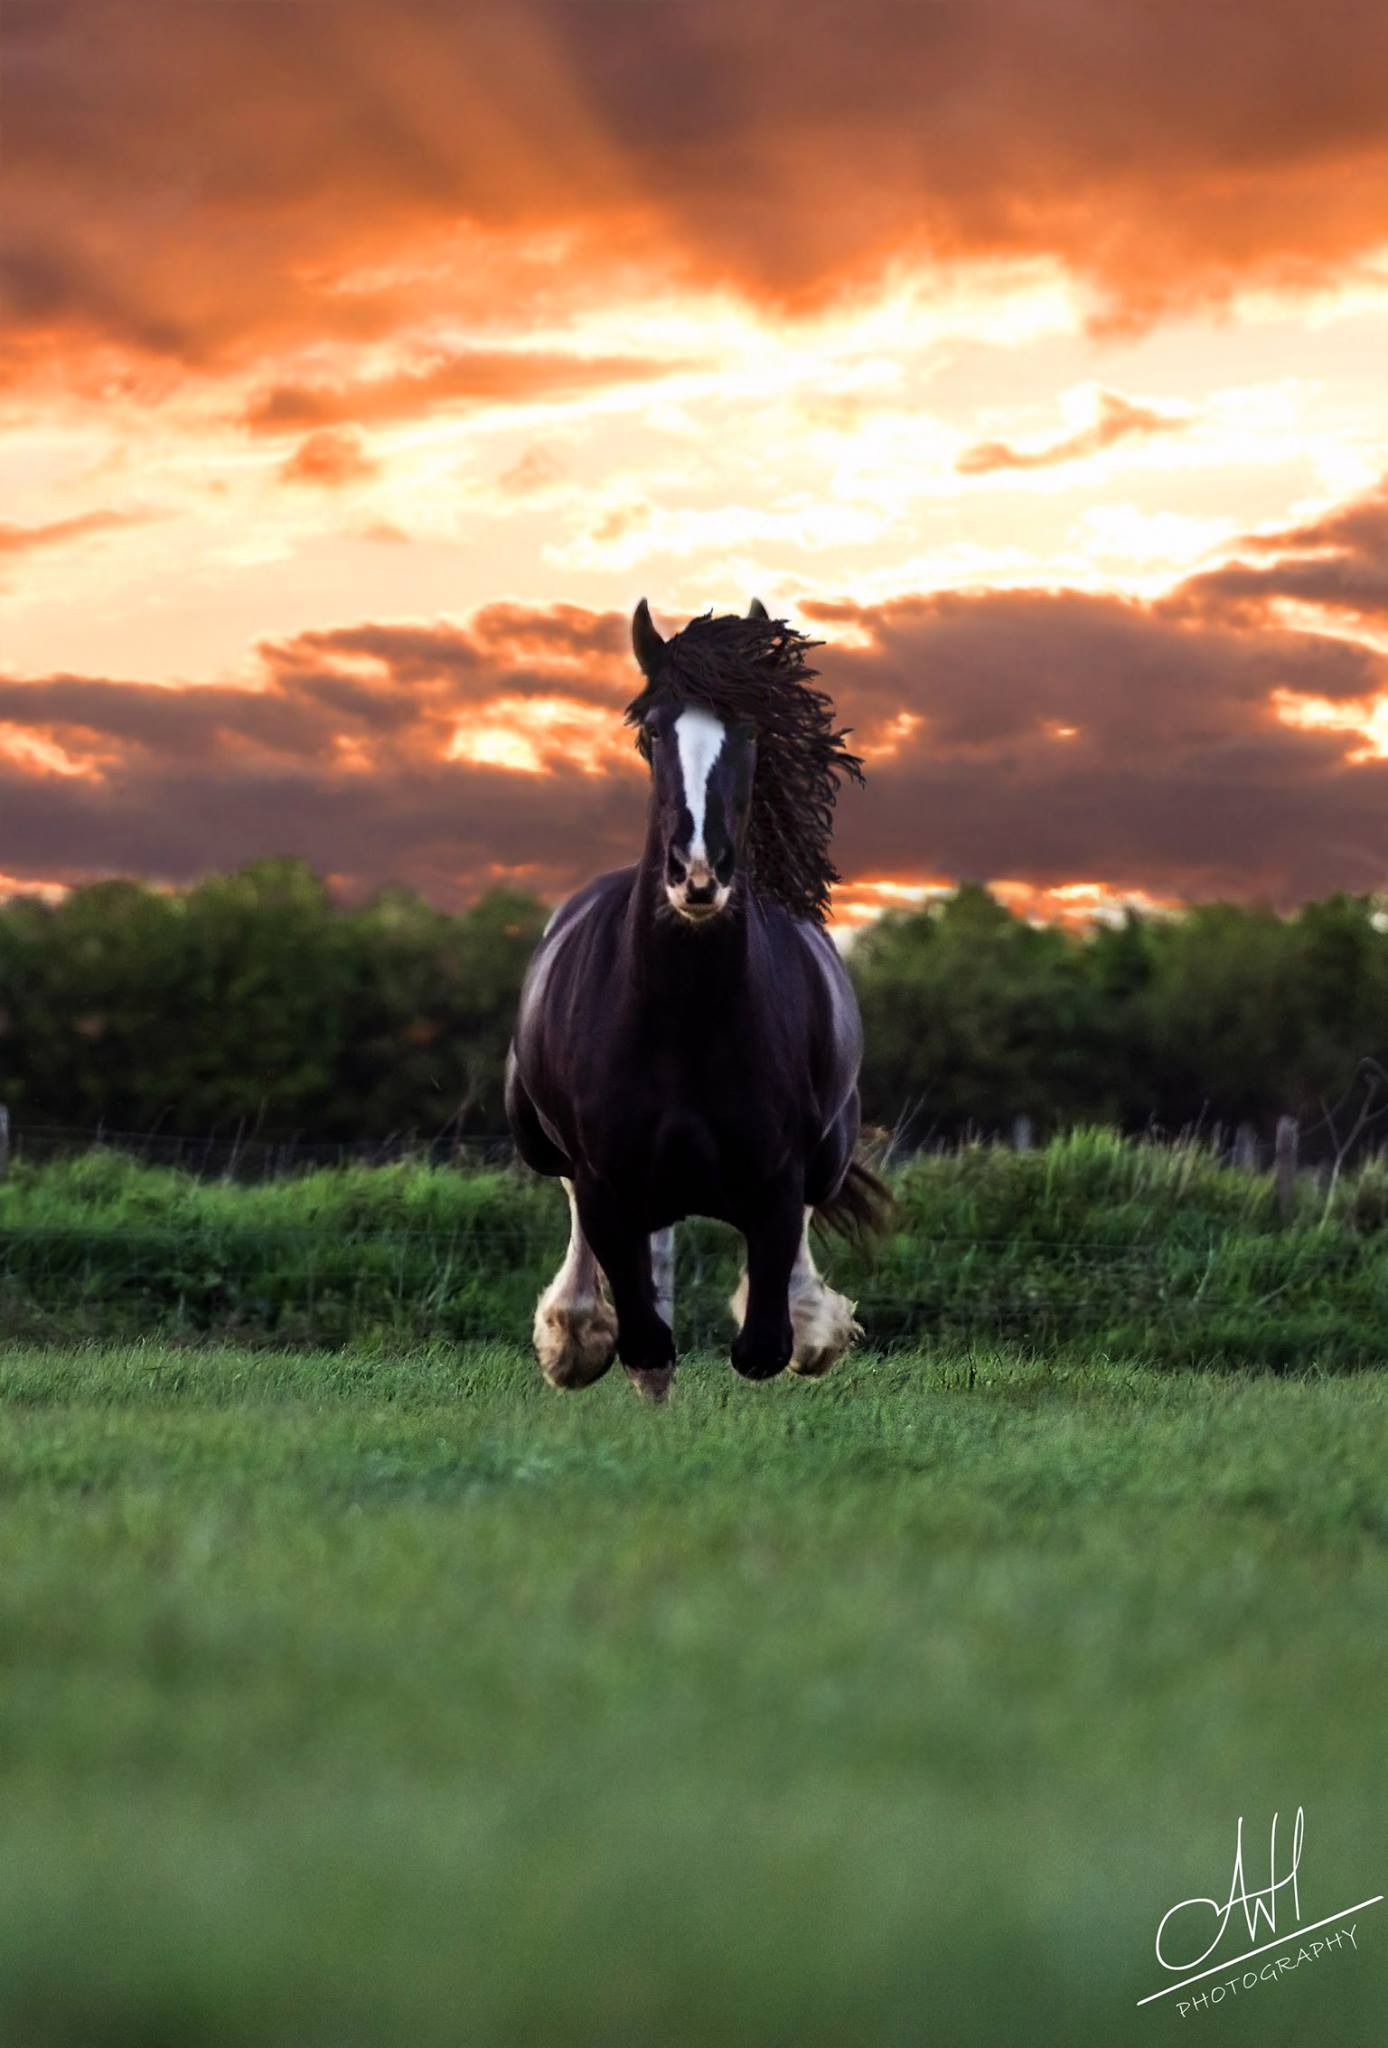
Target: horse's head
702 770
728 702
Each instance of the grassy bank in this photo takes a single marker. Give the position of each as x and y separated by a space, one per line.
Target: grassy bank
1148 1251
354 1698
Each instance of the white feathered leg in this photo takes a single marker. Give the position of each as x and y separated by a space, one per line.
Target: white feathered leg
663 1274
823 1321
575 1327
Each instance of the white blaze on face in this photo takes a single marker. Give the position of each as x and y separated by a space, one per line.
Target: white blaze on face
699 736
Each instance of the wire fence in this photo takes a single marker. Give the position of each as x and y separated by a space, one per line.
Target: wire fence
249 1158
265 1259
244 1155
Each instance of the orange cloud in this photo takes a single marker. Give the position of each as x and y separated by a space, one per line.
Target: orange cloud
23 540
1067 734
474 377
333 456
220 183
422 753
1118 420
1338 563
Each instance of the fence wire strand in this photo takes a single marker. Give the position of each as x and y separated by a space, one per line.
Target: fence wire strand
479 1277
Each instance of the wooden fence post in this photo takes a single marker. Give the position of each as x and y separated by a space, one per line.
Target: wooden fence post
4 1141
1021 1133
1284 1168
1246 1148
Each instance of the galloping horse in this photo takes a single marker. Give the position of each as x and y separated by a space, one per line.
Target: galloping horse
688 1041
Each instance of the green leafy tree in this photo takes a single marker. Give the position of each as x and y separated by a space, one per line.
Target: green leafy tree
255 1004
972 1016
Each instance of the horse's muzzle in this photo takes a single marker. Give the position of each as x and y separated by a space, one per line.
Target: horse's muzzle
698 894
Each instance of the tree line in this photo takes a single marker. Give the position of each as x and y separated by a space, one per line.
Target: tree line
255 1003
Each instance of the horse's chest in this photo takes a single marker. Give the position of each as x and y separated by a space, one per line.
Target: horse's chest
680 1115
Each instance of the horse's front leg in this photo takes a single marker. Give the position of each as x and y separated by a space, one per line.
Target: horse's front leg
645 1342
575 1330
762 1347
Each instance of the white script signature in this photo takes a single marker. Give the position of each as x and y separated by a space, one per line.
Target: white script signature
1259 1907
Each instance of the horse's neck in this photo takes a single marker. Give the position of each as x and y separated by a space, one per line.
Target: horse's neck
666 961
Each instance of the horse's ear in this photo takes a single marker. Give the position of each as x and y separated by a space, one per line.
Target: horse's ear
757 610
646 643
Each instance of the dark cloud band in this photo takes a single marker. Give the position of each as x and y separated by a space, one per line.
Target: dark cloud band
1054 736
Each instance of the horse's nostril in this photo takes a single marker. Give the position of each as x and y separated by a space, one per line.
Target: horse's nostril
699 892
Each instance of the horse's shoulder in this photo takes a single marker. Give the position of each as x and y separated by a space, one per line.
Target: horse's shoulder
794 937
605 892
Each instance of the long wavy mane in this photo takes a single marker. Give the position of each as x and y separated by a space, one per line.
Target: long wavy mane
756 669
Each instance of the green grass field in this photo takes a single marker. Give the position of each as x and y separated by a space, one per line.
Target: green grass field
372 1698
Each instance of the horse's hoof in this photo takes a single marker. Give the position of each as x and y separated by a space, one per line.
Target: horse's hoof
575 1346
653 1385
824 1329
758 1361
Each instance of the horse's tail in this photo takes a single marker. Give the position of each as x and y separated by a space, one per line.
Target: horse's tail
862 1208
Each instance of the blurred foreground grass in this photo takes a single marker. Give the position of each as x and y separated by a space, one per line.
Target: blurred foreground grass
358 1699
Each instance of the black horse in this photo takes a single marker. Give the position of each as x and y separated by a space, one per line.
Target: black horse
688 1041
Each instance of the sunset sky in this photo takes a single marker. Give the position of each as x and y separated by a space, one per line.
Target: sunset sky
364 361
